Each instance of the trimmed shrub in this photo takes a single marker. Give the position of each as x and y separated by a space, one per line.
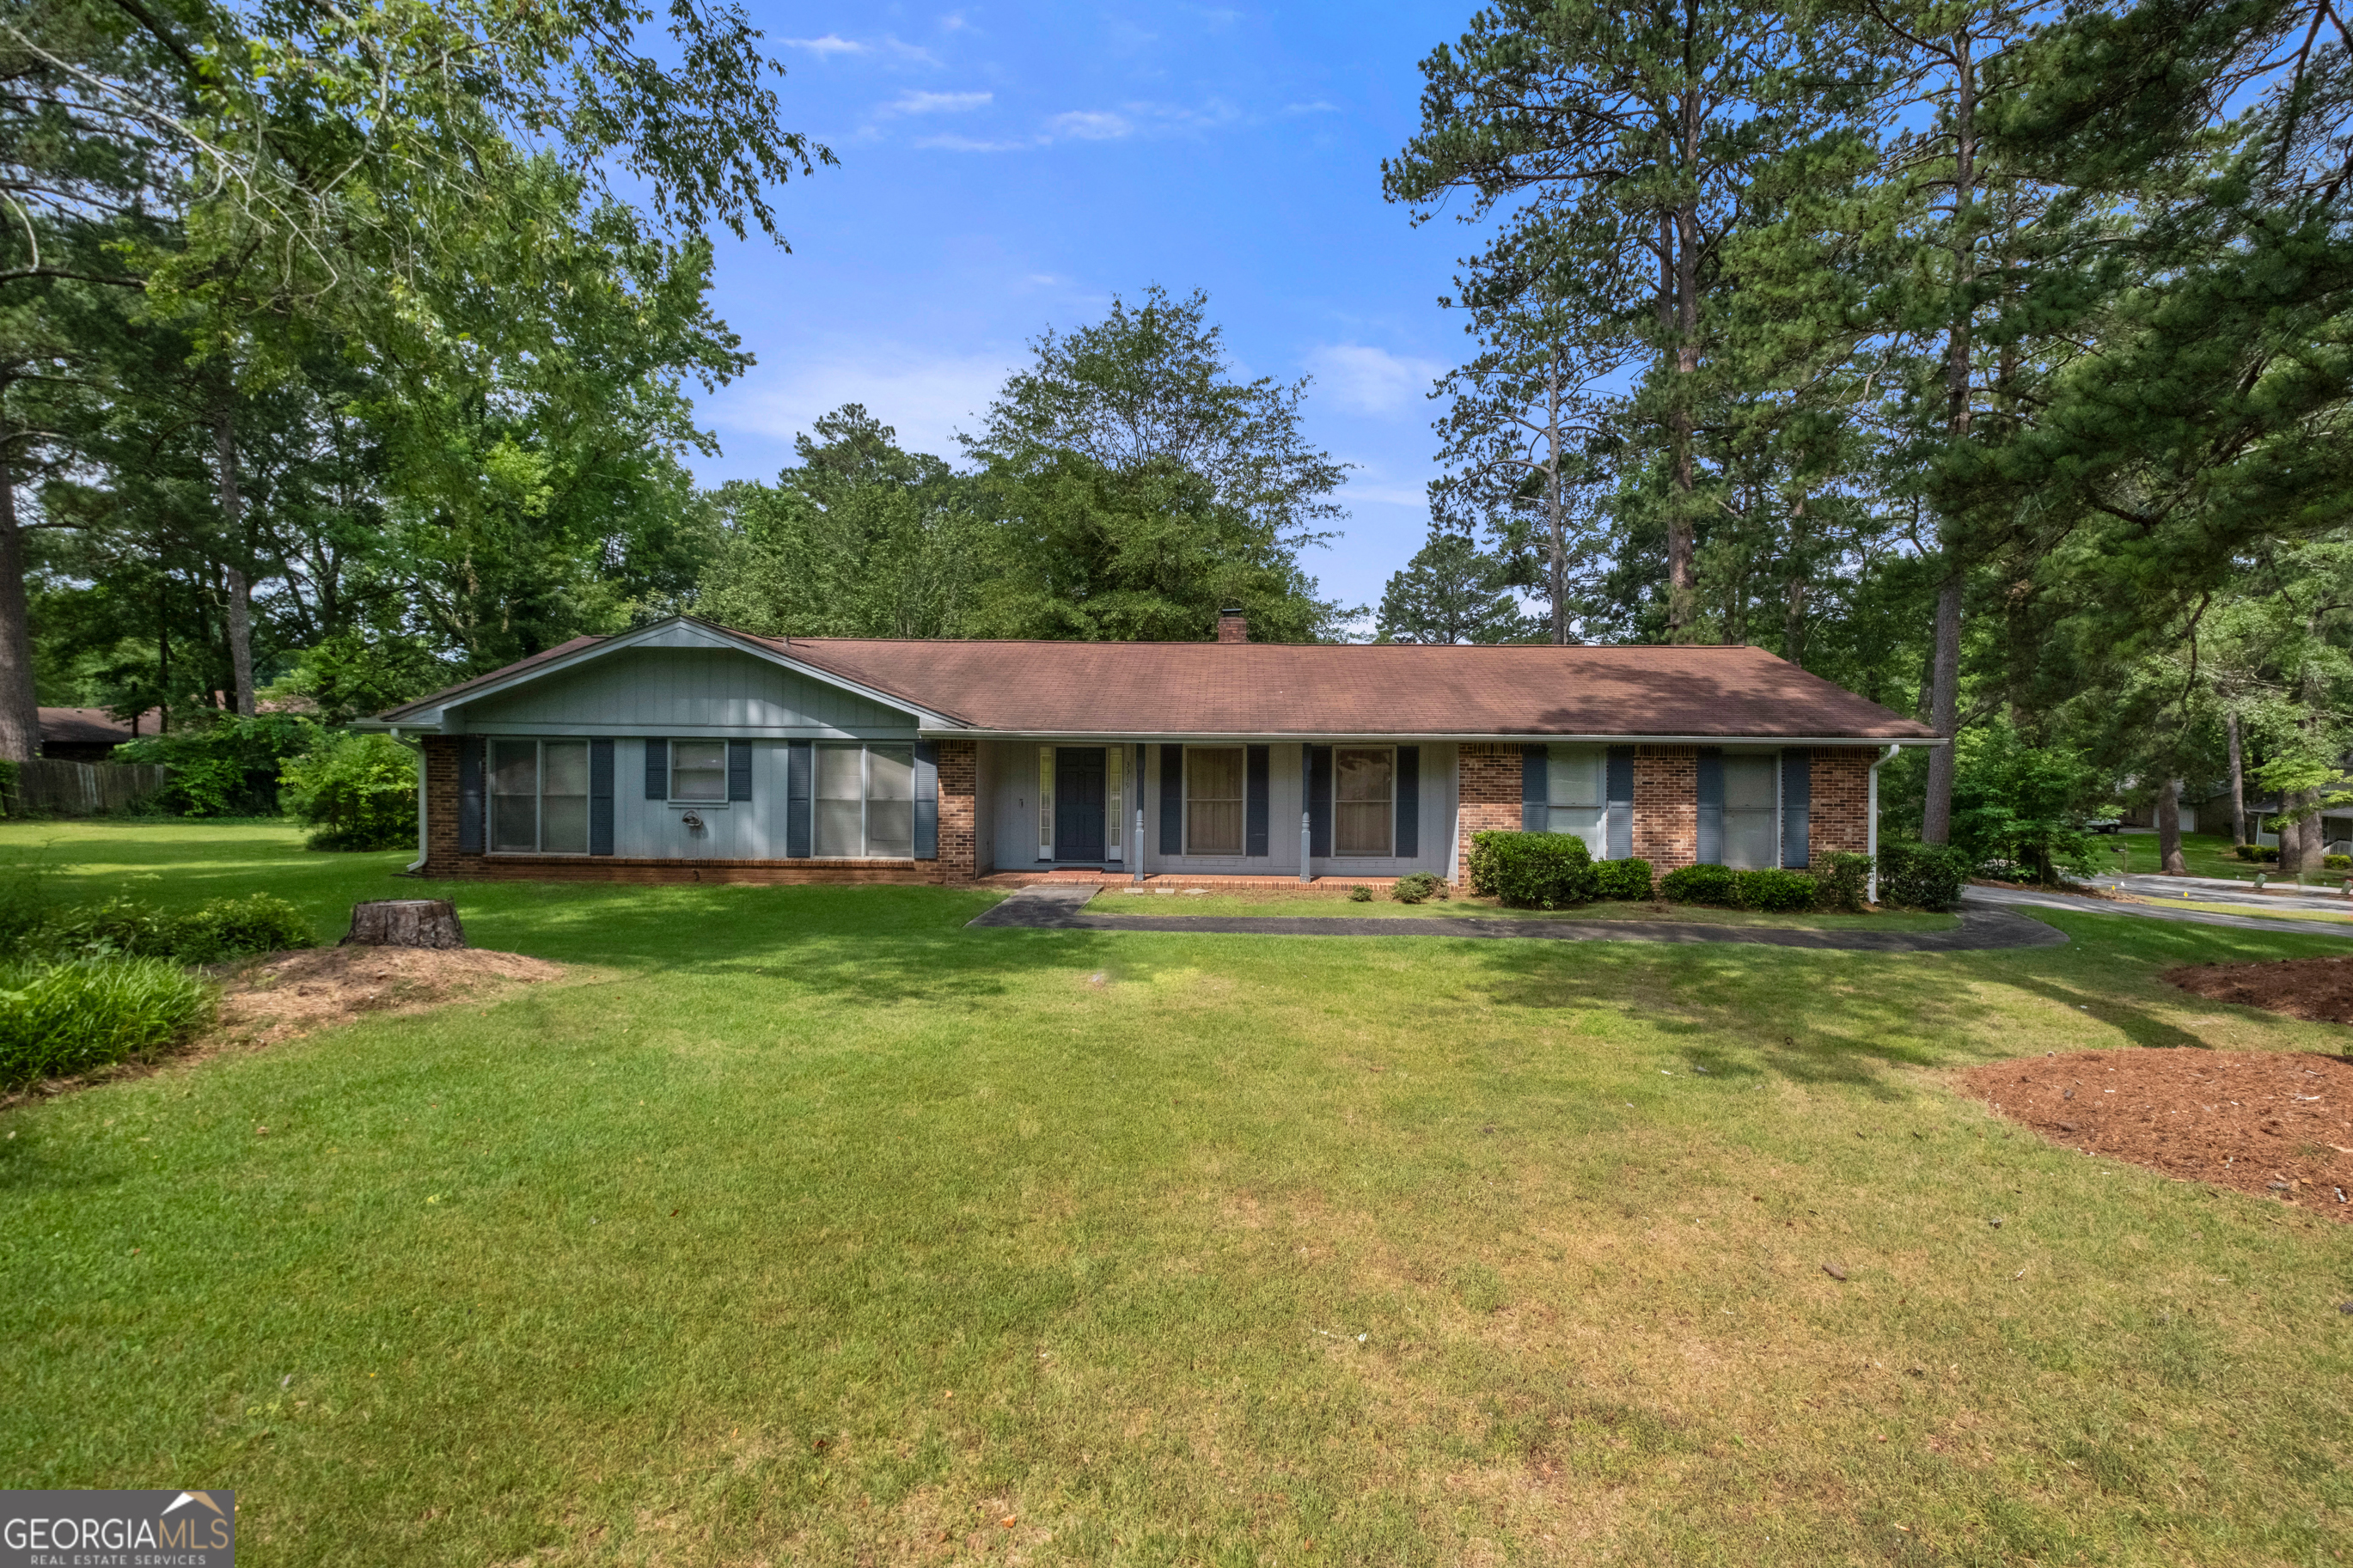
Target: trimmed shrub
1360 894
2268 853
1532 871
1921 876
2245 851
87 1013
1626 880
1774 889
356 791
1841 880
1699 885
2336 862
1416 886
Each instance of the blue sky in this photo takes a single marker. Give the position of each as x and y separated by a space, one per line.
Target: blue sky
1004 169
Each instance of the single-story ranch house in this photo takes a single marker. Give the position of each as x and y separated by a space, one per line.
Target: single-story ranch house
683 750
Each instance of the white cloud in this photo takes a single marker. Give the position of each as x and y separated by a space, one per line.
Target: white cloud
1318 107
1365 380
831 44
1090 125
914 101
926 397
949 143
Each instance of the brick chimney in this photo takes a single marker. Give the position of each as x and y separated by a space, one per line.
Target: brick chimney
1232 627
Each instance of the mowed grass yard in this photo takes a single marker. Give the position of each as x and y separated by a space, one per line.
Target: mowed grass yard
807 1226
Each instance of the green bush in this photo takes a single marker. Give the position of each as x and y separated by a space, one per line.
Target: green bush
1921 876
1414 887
1628 881
1699 885
2336 862
222 929
1774 889
8 774
356 791
1843 878
1532 871
1360 894
62 1019
228 767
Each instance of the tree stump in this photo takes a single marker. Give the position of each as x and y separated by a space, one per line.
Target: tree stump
406 923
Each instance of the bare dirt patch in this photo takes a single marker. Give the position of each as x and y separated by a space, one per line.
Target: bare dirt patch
284 995
2320 989
2275 1123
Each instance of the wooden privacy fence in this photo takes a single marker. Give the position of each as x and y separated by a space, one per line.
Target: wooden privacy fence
83 789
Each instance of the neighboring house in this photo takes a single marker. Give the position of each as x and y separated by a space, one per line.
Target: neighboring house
684 749
89 734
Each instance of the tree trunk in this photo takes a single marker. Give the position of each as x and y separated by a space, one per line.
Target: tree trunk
1558 524
239 612
2169 830
2314 846
1944 713
406 923
20 715
2238 783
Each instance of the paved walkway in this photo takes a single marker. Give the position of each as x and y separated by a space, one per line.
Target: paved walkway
2014 898
2315 899
1050 906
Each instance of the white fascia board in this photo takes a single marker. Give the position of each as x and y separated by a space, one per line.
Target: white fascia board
677 632
1324 736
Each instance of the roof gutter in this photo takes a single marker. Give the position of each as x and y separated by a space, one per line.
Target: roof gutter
1871 823
418 864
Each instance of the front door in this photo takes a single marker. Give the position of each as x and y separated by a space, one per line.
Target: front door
1079 803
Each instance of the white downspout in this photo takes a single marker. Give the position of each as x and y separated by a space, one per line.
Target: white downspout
417 864
1871 823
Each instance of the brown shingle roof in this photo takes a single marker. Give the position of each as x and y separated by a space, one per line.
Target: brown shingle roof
91 726
1288 689
1140 688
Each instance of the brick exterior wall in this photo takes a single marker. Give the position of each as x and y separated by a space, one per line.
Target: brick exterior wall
958 825
1839 816
959 763
1666 806
1487 795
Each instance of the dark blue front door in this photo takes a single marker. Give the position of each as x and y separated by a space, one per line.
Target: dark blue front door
1079 803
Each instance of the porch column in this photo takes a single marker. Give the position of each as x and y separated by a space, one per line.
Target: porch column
1306 808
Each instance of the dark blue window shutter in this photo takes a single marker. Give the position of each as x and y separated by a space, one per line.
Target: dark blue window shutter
739 769
600 797
1618 788
656 770
1408 801
1535 803
927 801
469 795
1711 806
1258 770
1172 800
1319 802
1796 797
800 758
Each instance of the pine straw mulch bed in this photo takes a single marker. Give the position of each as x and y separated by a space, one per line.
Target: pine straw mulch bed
280 995
2320 989
2274 1123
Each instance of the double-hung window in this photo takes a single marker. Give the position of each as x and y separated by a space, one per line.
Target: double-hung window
1577 790
539 797
698 771
865 802
1214 786
1752 799
1364 800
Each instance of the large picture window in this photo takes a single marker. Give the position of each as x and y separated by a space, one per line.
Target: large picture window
1364 800
1752 799
1213 800
1577 790
865 802
539 797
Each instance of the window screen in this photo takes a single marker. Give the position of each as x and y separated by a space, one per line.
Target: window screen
1576 785
1364 793
1751 797
514 796
1213 800
891 800
563 797
840 801
698 769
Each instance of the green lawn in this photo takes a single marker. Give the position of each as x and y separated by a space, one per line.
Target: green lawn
814 1228
1120 901
2202 855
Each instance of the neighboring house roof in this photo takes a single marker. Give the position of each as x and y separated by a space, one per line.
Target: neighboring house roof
90 727
1143 688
